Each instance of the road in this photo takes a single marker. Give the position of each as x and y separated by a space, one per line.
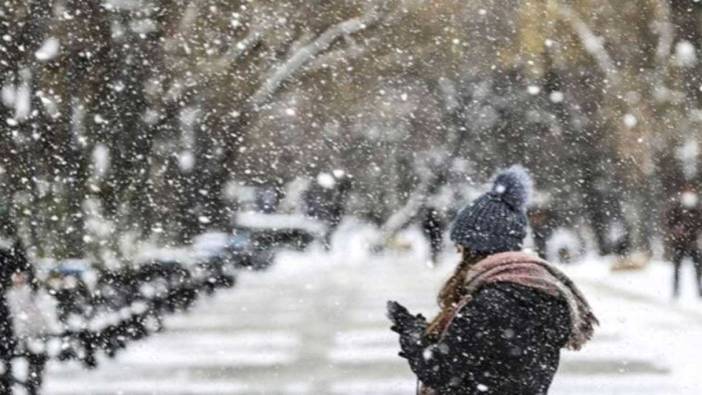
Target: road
314 324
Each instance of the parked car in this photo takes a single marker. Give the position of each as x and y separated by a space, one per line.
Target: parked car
70 281
258 236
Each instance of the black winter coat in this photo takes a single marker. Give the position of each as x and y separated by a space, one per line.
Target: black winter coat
12 261
683 227
506 341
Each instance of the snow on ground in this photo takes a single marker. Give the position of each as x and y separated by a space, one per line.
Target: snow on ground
314 324
641 323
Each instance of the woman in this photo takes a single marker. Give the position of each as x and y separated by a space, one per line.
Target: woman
504 315
12 261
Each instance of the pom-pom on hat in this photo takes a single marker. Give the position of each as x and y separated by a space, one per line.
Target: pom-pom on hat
496 221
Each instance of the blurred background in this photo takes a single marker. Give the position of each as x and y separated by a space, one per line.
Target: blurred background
145 114
221 137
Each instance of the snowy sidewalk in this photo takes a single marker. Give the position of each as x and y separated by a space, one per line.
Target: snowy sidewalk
314 324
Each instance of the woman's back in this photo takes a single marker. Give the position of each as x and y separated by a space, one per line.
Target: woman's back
516 336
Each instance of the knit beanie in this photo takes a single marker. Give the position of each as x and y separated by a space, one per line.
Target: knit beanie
496 221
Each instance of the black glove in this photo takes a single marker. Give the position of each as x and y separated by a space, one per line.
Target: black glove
402 320
411 329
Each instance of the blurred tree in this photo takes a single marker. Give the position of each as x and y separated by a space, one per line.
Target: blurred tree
136 114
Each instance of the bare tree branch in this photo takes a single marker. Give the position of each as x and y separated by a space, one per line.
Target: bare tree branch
591 42
332 58
300 58
240 48
430 176
663 26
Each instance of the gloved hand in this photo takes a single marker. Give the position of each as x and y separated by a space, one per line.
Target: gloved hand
402 320
410 327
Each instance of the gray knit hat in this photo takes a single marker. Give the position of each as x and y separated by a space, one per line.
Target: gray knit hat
496 221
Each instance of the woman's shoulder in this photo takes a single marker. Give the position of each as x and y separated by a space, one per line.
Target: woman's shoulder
503 296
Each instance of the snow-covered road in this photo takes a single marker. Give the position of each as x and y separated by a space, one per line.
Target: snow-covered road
314 324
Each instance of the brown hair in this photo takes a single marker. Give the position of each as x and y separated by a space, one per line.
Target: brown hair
453 291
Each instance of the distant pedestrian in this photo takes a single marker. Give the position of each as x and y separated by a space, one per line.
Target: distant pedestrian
683 222
267 199
504 315
326 200
12 261
433 229
543 221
